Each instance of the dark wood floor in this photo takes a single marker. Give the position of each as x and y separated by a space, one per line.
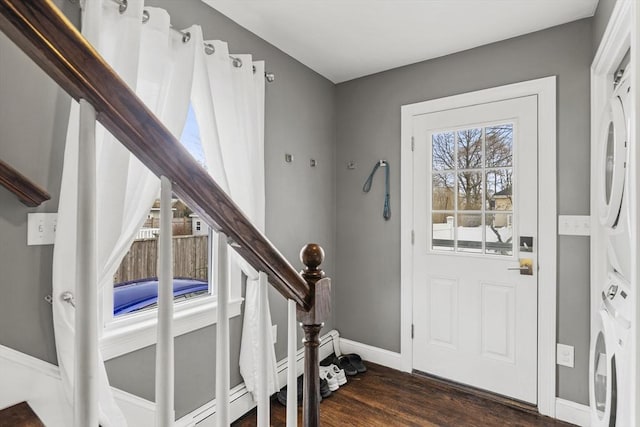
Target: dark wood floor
389 398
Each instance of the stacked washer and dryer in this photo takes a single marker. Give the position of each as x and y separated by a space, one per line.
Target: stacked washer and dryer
611 352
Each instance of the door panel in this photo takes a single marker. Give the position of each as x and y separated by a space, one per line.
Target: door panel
475 195
443 301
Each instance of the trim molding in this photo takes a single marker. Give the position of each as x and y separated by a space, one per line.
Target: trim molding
573 412
545 89
131 333
383 357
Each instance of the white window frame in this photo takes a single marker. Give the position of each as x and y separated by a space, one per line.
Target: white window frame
130 332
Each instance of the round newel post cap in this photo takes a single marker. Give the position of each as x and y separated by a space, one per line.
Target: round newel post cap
312 256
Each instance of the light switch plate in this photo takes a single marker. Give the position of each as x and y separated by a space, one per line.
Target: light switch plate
274 333
41 228
574 225
564 355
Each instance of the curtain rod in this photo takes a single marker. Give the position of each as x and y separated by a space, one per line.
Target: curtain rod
186 36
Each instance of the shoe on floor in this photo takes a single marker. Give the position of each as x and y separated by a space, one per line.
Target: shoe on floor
281 396
337 373
344 363
326 374
325 390
356 362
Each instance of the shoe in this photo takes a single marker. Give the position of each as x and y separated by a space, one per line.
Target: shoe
325 390
281 396
344 363
338 374
326 374
356 362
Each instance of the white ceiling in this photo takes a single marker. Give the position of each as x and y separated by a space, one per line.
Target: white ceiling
346 39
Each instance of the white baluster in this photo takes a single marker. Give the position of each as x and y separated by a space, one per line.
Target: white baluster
222 335
264 323
292 384
86 320
165 415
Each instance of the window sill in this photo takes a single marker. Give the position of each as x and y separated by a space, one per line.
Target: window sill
136 331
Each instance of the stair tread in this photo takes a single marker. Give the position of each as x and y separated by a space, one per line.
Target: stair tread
20 415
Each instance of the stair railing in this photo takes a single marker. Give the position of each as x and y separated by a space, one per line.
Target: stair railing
52 42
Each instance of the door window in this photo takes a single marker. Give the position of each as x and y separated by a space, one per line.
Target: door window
472 190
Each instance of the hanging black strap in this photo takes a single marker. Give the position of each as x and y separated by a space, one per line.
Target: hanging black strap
386 213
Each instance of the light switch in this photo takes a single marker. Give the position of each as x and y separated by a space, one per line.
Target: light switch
274 333
41 228
574 225
564 355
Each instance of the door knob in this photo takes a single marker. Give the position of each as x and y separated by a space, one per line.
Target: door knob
526 267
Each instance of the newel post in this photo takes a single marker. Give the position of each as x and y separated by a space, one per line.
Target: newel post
312 321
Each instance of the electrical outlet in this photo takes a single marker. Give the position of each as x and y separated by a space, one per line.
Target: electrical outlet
274 333
41 228
564 355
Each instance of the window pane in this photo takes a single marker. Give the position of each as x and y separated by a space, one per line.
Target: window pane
469 191
499 145
470 149
442 231
135 282
190 137
499 234
469 230
499 195
443 196
442 151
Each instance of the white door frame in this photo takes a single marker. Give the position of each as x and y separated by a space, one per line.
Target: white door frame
545 89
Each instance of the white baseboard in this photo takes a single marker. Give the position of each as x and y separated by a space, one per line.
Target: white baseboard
573 412
377 355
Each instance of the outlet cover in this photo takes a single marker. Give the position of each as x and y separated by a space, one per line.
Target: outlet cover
41 228
564 355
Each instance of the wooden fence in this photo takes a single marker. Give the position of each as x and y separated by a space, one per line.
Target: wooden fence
190 259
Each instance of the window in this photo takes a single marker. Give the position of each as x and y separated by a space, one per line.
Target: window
472 190
129 306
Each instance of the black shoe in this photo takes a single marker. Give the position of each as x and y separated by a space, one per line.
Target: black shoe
343 363
325 391
282 394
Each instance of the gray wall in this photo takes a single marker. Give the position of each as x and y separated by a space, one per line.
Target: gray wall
33 116
600 20
300 200
368 128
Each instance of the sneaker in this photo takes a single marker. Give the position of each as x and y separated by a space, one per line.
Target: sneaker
343 363
325 391
338 374
328 375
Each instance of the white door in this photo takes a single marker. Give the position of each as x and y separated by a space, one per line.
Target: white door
475 218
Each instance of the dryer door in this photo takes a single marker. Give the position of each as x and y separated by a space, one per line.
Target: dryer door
602 373
613 158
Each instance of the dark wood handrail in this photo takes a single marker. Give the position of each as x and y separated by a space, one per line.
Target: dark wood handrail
27 192
45 34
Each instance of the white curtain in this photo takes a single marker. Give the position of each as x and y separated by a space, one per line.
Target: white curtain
156 63
228 102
